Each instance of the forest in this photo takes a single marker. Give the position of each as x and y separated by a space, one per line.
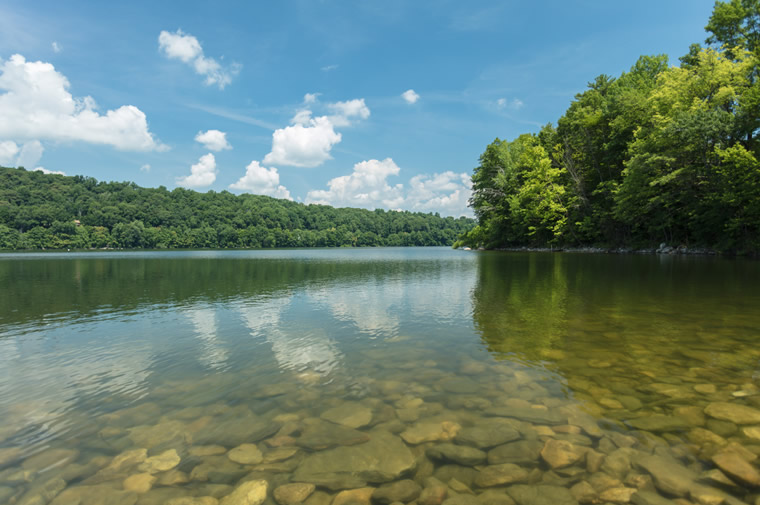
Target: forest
661 154
48 211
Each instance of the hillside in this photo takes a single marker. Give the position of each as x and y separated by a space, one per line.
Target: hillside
44 211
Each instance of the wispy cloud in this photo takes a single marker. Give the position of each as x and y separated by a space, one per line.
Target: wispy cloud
235 116
186 48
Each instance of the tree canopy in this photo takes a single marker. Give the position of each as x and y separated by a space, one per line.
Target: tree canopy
660 154
46 211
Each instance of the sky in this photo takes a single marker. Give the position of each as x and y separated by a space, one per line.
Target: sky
374 104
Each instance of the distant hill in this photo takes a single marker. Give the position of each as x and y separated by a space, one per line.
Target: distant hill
46 211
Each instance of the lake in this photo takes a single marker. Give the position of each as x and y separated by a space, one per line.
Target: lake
350 376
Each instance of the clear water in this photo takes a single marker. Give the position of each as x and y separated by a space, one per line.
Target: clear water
199 352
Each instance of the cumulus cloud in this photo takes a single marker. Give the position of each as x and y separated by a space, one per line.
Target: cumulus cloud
368 187
447 193
328 68
187 49
307 142
8 152
46 171
410 96
145 168
56 47
30 154
365 187
261 181
213 140
309 98
35 104
344 112
202 173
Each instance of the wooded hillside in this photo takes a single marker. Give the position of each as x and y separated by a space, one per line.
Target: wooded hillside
45 211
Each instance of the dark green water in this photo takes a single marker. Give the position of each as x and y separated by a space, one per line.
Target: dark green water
508 377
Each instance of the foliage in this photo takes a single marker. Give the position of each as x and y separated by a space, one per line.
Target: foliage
44 211
660 154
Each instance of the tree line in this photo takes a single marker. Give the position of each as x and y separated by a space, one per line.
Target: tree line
660 154
48 211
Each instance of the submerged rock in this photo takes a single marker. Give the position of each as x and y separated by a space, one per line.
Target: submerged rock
101 494
733 412
541 495
430 432
351 414
488 434
360 496
161 463
40 494
522 451
324 435
246 454
668 474
461 454
735 466
660 423
383 458
560 453
248 493
529 414
292 494
139 483
401 491
498 475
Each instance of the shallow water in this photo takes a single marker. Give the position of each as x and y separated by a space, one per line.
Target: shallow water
484 378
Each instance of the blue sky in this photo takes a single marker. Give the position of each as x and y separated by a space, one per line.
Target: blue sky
365 104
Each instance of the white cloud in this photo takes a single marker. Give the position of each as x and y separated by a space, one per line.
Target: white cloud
261 181
307 143
8 152
343 112
447 193
410 96
145 168
187 49
30 154
514 104
202 173
56 47
328 68
213 140
46 171
310 98
367 186
35 104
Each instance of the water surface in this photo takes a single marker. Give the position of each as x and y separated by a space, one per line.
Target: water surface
492 375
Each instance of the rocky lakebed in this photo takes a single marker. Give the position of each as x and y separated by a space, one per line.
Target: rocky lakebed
489 434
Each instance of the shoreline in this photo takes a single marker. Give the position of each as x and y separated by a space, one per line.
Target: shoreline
665 250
